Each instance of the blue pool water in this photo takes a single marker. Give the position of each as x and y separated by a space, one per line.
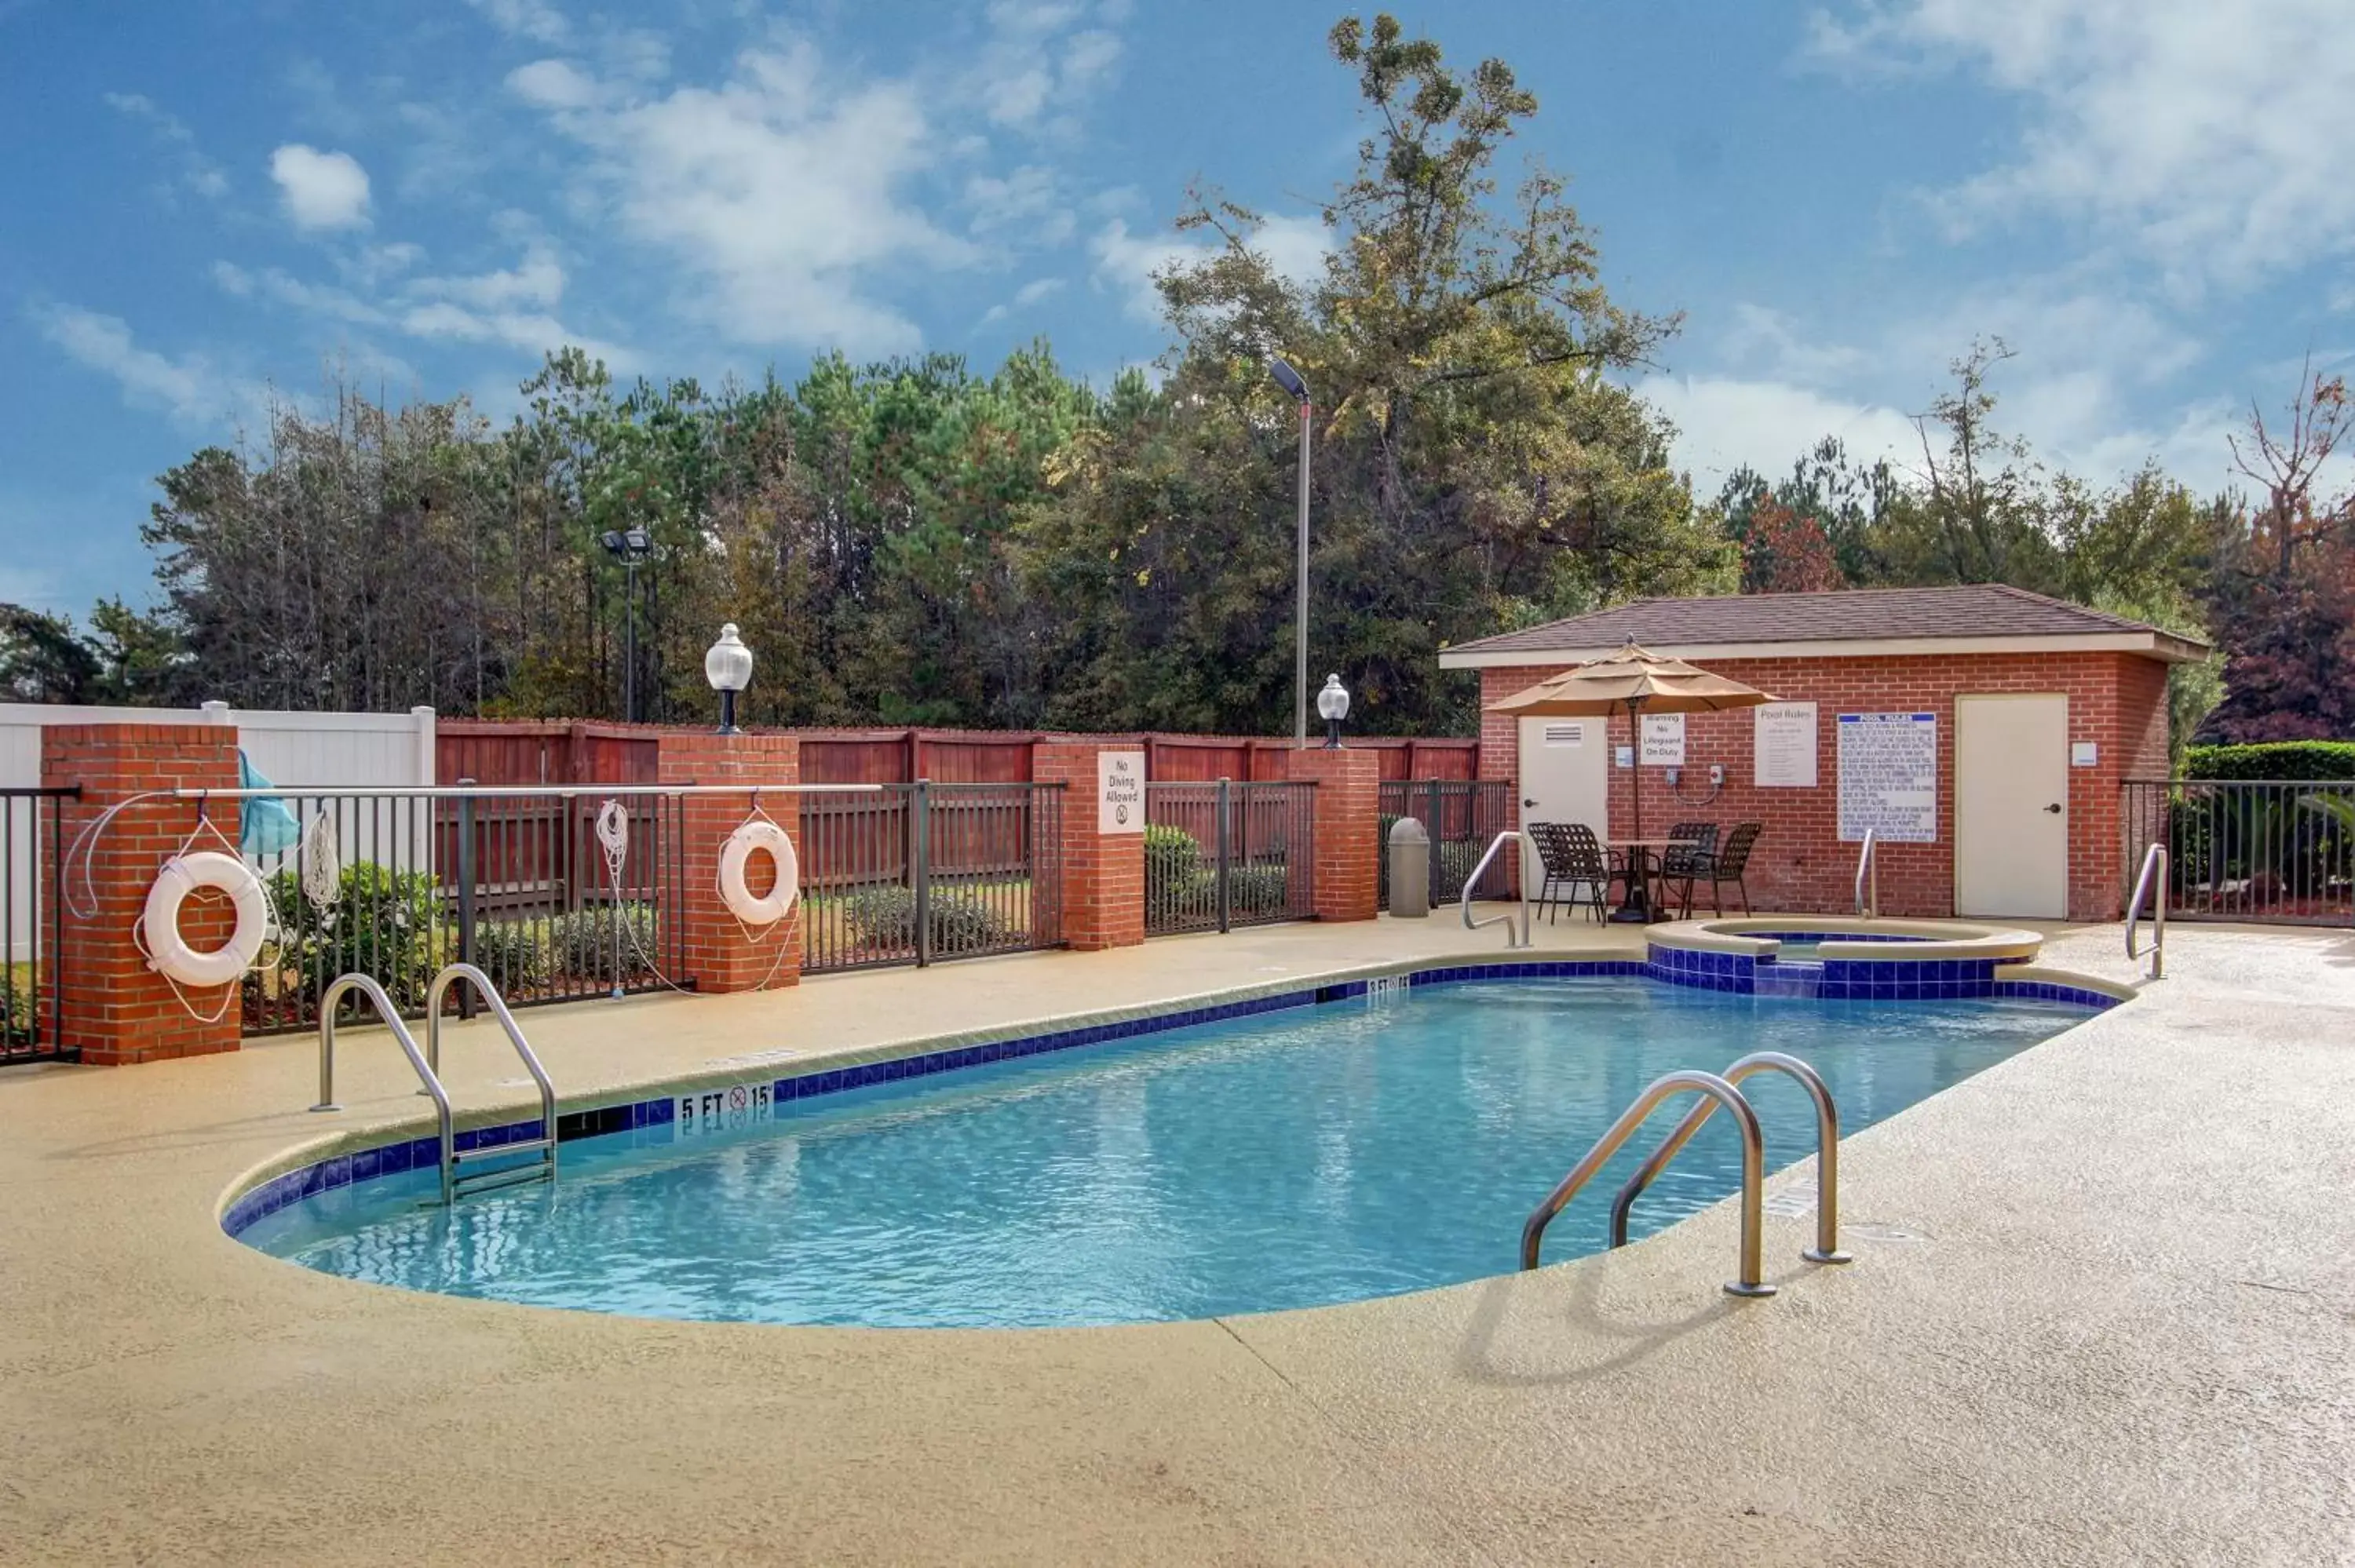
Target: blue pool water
1299 1157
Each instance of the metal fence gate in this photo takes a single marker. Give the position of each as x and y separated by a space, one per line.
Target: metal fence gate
32 916
2254 849
1223 854
519 881
1463 817
918 873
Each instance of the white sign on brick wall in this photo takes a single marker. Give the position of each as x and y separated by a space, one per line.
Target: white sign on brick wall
1889 778
1119 791
1782 755
1664 740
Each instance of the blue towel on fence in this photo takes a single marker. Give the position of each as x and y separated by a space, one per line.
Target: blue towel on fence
265 826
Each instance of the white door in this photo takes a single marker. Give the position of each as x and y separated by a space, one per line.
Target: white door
2011 806
1565 776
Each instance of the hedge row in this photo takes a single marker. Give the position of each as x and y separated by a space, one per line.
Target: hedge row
2290 759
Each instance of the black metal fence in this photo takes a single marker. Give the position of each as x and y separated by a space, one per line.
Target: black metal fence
31 928
1463 818
521 883
1223 854
2278 850
913 874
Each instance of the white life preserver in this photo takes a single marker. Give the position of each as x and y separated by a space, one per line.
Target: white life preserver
169 954
759 836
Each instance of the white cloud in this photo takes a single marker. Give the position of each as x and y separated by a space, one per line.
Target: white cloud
195 171
537 280
190 389
2210 136
506 305
321 190
532 19
1031 64
531 331
1295 246
1026 296
1724 423
780 192
552 84
1028 200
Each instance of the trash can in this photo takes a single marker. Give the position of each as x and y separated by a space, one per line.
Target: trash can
1410 853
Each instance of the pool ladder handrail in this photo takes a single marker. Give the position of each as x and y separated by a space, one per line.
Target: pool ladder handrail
544 1169
367 987
1751 1281
1827 1248
1472 881
1867 877
2150 881
454 1184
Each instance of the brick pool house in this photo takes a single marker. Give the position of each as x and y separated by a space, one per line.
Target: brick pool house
1983 733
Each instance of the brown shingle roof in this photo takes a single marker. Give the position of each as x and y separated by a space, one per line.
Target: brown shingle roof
1979 610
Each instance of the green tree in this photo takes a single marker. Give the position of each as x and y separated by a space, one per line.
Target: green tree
41 659
1475 465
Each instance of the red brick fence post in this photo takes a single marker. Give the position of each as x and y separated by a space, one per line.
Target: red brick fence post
718 957
113 1009
1349 828
1102 857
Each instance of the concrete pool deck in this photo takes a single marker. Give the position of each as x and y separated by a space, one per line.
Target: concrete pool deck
2100 1313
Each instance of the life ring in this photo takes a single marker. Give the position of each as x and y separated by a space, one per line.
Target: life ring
759 836
169 954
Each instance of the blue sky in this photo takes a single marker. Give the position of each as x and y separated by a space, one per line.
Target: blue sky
2150 200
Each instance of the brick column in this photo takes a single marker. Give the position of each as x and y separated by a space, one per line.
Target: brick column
718 957
116 1011
1348 816
1103 872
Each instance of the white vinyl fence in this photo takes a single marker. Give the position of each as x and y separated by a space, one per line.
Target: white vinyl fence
297 749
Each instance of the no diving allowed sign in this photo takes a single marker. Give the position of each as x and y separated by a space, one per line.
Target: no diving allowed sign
1120 792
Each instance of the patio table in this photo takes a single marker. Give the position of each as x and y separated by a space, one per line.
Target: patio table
1636 902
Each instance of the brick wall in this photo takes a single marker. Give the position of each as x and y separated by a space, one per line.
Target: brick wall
1349 846
2116 700
115 1009
719 955
1103 873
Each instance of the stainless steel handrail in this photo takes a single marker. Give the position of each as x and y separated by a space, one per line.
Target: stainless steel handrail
1827 1248
450 974
1472 881
1753 1171
1867 874
2152 881
368 988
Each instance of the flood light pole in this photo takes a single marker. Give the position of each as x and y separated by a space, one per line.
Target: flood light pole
630 547
1290 380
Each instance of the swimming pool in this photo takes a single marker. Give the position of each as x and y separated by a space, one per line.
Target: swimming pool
1295 1159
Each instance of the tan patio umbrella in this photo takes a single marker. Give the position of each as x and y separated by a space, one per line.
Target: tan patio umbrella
1638 680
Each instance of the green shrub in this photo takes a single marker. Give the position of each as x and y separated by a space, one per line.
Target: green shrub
1171 854
886 917
514 953
1256 890
1451 864
580 944
2289 759
1176 883
386 924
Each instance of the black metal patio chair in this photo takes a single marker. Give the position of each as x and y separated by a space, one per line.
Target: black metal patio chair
1717 867
1573 860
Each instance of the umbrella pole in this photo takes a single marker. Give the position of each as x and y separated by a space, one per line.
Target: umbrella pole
1636 756
1636 905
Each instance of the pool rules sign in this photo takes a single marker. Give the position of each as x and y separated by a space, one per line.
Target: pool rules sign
1119 791
1889 778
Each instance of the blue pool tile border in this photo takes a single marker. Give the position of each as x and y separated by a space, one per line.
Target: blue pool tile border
1737 972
